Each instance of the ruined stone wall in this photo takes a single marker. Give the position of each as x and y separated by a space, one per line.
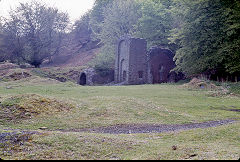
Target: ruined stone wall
138 61
130 65
90 77
160 63
134 65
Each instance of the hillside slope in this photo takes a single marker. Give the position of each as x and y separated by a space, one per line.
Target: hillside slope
75 51
68 60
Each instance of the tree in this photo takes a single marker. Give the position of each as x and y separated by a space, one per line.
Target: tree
231 45
35 31
155 22
82 30
97 16
119 18
2 54
208 37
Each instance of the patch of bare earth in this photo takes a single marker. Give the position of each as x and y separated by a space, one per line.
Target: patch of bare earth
74 60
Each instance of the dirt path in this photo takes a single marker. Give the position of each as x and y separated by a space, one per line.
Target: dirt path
148 128
137 128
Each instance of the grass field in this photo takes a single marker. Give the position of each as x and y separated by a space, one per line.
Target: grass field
106 106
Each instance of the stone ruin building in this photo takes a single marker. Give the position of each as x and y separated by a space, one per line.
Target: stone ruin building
135 65
131 61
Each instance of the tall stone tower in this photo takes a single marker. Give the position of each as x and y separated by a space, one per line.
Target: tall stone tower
131 65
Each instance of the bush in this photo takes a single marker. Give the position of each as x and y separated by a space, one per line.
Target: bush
104 62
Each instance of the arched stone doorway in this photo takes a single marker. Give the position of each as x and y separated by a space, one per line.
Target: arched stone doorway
83 79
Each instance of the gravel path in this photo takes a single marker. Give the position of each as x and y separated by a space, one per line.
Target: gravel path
131 128
148 128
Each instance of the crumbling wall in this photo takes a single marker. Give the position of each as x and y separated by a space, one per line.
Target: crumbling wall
90 77
160 64
131 65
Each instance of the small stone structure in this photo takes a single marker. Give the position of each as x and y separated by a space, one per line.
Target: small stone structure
90 77
86 77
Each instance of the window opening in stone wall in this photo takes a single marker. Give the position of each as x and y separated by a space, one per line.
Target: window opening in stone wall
140 74
124 75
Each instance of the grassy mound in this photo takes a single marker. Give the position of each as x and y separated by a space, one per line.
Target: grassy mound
12 72
18 75
27 106
201 84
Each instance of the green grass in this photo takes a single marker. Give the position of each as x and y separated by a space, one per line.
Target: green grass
209 144
105 106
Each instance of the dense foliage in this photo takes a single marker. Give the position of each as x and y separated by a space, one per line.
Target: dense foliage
203 33
155 22
116 19
209 36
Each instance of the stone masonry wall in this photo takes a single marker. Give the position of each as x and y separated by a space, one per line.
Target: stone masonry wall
138 61
131 65
160 64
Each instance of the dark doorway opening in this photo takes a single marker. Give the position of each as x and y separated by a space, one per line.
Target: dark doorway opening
83 79
124 76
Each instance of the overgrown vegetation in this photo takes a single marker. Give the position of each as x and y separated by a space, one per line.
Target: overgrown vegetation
11 142
232 87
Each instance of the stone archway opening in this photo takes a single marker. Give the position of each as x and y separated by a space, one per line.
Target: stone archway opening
83 79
